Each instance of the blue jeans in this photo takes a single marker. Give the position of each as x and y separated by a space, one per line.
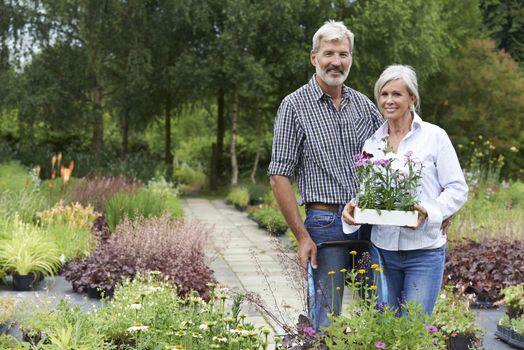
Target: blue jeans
414 275
324 226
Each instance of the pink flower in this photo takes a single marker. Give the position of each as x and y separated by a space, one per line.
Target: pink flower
431 329
310 331
408 154
380 345
382 162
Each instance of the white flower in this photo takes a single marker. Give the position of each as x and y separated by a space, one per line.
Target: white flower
137 328
203 326
62 258
135 306
220 338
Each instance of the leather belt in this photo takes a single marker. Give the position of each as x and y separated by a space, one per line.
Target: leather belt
322 206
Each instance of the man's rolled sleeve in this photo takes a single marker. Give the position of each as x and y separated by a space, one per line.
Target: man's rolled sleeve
286 141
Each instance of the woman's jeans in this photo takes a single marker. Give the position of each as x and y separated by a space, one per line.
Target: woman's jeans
324 226
414 275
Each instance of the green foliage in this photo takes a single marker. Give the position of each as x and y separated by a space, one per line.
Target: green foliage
14 178
7 309
23 204
28 250
453 315
271 219
257 193
238 196
514 296
189 179
140 203
71 242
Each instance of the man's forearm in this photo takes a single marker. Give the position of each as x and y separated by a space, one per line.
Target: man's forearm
285 197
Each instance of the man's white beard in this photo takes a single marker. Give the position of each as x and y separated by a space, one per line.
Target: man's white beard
330 80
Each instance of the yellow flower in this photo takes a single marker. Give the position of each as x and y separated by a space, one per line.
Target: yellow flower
343 270
378 269
353 252
361 271
513 149
373 287
374 266
331 273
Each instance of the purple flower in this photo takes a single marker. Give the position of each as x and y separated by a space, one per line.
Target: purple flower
380 345
367 155
408 154
359 163
359 156
310 331
382 162
431 329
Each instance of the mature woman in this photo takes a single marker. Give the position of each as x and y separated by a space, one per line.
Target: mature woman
414 259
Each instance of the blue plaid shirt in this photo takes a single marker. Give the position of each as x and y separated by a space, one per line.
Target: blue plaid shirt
316 144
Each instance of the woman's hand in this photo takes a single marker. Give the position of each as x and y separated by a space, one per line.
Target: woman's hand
422 214
348 213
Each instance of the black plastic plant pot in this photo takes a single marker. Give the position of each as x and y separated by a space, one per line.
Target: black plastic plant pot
24 283
460 342
96 293
514 312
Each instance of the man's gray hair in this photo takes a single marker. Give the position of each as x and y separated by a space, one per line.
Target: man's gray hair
330 31
406 74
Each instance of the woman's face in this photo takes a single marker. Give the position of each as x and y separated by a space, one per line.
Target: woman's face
395 100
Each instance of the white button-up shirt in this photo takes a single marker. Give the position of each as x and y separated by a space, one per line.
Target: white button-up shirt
443 189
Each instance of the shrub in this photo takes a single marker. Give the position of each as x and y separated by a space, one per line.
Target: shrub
72 243
14 177
97 190
72 215
271 219
453 316
190 179
7 309
162 244
257 193
484 268
239 197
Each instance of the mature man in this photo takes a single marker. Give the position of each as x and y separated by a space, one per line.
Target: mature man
318 130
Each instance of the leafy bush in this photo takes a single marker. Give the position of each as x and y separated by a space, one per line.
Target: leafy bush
239 197
190 179
271 219
484 268
97 190
72 243
14 177
453 316
140 203
257 193
162 244
7 309
73 215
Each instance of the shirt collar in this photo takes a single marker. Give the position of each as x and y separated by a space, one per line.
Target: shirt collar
318 93
383 130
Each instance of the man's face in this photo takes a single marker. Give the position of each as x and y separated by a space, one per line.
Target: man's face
332 61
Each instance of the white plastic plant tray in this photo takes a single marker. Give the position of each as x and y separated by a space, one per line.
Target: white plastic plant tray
386 217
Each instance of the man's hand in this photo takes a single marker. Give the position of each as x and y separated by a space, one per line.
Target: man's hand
307 250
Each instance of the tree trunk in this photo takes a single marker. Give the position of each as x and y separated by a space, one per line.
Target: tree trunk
98 122
125 133
234 118
218 146
168 158
255 166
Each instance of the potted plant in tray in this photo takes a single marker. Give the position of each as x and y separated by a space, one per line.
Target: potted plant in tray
27 254
388 190
511 326
455 319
